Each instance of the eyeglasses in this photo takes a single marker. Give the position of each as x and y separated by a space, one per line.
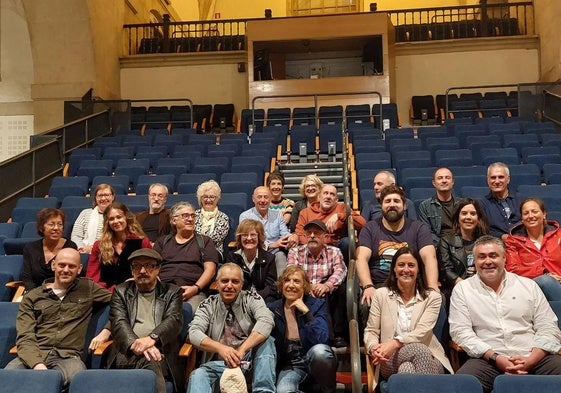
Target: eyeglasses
53 225
315 233
104 196
158 196
149 267
209 197
310 186
249 235
185 216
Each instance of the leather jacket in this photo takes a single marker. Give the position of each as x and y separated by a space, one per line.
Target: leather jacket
168 317
452 259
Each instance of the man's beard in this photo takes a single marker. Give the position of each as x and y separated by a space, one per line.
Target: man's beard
393 216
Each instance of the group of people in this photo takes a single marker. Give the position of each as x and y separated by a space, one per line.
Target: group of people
496 261
284 279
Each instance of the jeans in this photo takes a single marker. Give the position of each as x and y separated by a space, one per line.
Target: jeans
550 287
320 363
263 362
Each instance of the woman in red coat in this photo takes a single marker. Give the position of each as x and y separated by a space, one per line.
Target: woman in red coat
533 248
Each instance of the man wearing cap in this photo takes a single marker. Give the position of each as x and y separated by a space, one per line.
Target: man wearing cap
326 270
146 319
334 214
233 329
53 319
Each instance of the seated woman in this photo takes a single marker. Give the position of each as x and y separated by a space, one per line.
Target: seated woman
309 188
209 220
258 265
398 336
89 224
533 250
108 264
283 205
454 252
301 332
38 255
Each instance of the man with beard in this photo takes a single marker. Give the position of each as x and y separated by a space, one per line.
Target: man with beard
155 221
334 216
436 211
373 209
326 271
381 238
146 319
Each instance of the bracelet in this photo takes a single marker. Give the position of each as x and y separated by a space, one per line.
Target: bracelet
199 289
367 286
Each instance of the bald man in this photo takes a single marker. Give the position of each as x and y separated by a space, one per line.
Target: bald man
277 236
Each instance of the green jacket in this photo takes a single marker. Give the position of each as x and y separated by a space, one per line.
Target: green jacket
45 323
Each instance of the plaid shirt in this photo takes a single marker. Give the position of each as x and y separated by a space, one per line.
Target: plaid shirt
328 268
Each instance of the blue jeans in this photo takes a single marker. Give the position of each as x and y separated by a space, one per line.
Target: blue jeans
550 287
320 363
263 362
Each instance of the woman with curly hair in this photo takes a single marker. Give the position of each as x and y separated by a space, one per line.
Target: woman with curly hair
210 221
122 234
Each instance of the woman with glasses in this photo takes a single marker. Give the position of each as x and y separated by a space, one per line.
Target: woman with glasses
258 265
209 220
38 255
310 186
89 224
189 259
122 235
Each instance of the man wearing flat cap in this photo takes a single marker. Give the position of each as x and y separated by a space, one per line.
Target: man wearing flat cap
326 270
146 319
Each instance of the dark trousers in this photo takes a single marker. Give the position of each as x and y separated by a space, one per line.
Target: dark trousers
486 374
139 362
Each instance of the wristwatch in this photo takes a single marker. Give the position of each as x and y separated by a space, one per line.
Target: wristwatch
154 337
493 359
367 286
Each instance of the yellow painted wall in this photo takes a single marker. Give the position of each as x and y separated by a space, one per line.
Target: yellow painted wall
384 5
430 72
230 9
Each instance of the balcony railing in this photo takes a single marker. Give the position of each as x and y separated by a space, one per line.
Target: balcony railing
425 24
421 24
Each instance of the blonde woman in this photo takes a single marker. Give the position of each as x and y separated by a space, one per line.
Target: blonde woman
210 221
310 186
121 235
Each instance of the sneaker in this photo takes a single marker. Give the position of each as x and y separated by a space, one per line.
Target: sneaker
339 342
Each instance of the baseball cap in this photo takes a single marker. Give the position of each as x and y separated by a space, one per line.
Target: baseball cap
146 252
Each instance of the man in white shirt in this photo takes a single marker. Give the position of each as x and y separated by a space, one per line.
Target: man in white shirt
502 320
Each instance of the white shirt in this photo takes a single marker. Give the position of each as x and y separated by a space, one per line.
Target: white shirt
510 322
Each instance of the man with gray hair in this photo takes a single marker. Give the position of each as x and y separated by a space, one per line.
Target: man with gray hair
373 208
503 321
501 206
155 220
189 259
233 328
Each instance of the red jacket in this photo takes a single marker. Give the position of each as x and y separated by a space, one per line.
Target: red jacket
524 259
314 212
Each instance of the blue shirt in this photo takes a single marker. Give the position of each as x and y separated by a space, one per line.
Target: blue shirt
498 218
274 224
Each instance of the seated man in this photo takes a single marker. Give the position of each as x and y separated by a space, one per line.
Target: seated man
233 328
155 220
301 335
277 236
373 208
502 321
53 319
188 259
326 271
146 318
334 215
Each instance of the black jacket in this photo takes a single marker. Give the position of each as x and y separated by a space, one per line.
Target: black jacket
168 316
263 277
452 258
